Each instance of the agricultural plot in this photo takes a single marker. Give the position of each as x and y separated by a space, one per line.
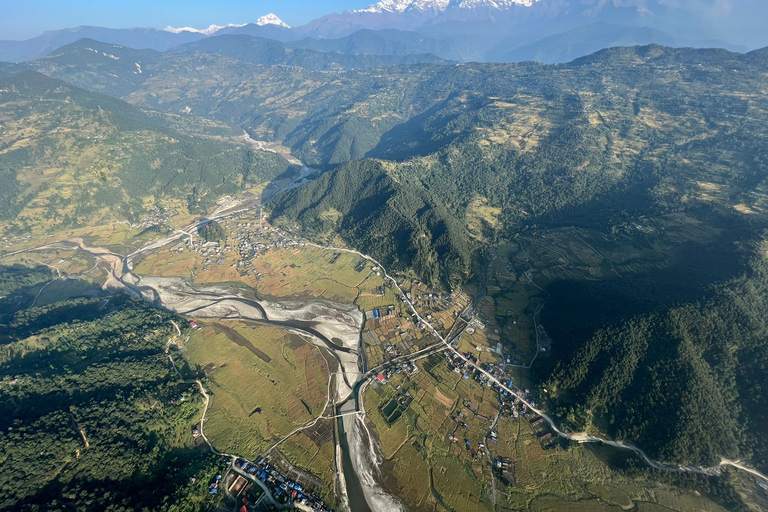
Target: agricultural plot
548 477
265 383
169 262
309 271
429 470
309 459
441 432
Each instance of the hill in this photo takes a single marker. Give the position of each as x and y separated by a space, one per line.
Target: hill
582 41
90 393
622 133
391 216
44 44
257 50
685 382
71 157
381 42
101 67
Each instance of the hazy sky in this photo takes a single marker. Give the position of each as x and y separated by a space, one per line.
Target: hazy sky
22 19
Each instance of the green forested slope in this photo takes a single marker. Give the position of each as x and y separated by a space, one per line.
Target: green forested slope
92 414
69 157
686 383
384 212
595 143
106 68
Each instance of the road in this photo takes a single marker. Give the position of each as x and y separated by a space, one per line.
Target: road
579 438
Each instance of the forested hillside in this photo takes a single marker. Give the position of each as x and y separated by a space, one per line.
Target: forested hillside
382 210
93 415
686 383
70 158
568 148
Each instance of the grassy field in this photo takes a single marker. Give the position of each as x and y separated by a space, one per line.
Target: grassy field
309 271
265 383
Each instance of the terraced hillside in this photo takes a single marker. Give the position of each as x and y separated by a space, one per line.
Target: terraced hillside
72 158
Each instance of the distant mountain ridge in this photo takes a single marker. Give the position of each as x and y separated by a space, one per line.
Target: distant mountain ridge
470 30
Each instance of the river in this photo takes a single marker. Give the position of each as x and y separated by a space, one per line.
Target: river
319 321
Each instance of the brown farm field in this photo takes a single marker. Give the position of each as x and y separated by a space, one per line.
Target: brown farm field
265 383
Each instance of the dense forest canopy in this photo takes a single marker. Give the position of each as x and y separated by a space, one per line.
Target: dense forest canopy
93 415
687 383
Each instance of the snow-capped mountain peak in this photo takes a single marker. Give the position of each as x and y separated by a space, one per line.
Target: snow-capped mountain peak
490 4
400 6
207 31
440 6
271 19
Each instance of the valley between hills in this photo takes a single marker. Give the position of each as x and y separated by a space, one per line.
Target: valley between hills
409 286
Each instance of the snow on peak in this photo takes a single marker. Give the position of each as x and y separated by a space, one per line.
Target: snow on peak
271 19
490 4
440 6
207 31
400 6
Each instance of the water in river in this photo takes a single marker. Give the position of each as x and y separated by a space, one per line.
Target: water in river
354 490
361 468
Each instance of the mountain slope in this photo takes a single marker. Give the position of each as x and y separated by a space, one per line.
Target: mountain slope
111 69
268 52
684 382
40 46
70 157
84 366
584 40
610 136
391 216
381 42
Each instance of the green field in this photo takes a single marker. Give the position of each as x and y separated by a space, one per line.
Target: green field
265 383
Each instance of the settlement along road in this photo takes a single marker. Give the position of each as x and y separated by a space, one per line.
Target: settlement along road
579 438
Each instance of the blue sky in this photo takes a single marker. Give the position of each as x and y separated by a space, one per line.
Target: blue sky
22 19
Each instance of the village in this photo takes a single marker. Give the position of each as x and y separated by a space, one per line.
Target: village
395 341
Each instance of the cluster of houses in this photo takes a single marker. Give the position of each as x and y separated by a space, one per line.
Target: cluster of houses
283 489
406 367
212 252
248 239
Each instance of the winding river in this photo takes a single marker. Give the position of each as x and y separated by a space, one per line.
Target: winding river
318 321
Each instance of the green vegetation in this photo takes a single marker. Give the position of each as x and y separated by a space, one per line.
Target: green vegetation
212 231
565 150
381 219
93 414
15 277
429 471
686 382
264 382
72 158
